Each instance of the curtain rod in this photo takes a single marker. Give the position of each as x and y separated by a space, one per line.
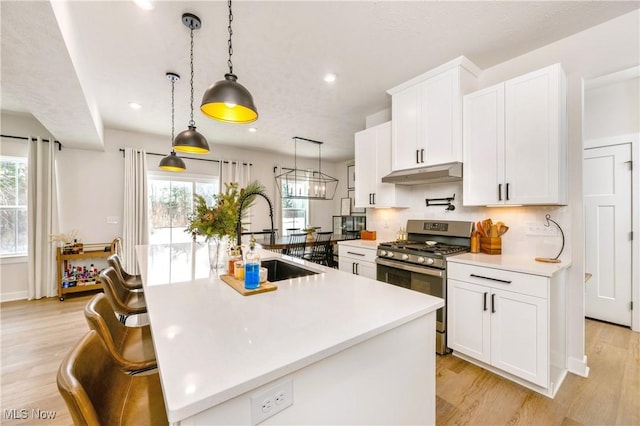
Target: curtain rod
194 158
25 138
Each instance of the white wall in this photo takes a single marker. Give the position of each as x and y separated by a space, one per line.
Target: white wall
603 49
90 186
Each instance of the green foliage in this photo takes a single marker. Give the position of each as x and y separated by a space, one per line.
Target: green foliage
221 218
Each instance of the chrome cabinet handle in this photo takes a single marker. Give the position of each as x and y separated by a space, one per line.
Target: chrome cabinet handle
357 254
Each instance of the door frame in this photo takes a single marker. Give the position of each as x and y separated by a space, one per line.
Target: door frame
634 140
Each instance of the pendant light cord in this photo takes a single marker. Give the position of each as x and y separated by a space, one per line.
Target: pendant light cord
229 41
191 122
173 89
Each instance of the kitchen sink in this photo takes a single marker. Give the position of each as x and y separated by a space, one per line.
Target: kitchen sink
279 270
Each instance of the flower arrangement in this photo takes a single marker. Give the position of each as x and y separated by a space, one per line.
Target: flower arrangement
220 219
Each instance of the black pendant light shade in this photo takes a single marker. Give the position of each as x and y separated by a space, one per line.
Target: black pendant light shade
173 163
190 140
229 101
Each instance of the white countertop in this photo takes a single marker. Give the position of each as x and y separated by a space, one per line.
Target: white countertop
525 264
371 244
213 344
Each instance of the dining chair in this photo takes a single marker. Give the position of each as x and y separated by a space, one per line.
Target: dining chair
351 235
322 251
125 302
131 347
133 282
97 391
296 245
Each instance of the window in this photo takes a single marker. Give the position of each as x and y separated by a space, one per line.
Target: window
295 212
13 206
171 202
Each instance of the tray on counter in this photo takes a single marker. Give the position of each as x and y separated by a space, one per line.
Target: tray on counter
238 286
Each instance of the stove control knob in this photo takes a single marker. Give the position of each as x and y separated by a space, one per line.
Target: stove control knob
430 261
383 252
405 256
421 259
390 254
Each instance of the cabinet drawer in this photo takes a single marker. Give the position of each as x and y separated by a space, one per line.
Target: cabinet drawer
357 253
533 285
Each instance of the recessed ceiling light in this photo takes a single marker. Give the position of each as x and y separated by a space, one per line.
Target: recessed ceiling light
144 4
253 129
134 105
330 78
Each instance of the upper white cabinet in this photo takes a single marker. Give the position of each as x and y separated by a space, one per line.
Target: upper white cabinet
427 115
372 162
515 141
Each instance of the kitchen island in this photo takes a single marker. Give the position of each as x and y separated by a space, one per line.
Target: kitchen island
343 349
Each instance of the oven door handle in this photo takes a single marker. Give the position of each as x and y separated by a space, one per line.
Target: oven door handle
408 267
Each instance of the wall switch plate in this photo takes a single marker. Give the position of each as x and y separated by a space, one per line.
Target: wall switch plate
113 219
271 401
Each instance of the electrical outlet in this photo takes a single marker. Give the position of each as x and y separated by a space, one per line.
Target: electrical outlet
271 401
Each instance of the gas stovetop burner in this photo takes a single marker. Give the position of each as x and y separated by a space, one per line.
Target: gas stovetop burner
424 247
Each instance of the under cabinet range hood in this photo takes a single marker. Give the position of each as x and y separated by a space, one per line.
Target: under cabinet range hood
447 172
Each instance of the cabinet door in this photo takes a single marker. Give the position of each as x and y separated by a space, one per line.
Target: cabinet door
483 162
441 139
366 269
406 111
365 160
535 139
345 265
384 192
519 337
469 319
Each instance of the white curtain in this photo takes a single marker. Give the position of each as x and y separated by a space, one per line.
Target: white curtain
234 171
135 220
42 210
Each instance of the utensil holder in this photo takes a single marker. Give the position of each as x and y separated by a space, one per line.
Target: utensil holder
491 245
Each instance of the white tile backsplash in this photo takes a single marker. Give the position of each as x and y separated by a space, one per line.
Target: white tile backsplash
386 222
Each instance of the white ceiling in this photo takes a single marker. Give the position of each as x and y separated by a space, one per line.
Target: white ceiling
75 65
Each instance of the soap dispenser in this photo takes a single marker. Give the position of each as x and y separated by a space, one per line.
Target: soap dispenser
252 267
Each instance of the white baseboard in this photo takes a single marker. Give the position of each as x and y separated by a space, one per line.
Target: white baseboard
579 366
15 295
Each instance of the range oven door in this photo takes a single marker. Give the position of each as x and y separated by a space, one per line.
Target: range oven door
424 279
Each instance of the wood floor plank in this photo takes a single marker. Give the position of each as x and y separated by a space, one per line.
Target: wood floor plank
36 335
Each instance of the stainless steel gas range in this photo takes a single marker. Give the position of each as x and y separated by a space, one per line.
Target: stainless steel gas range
419 262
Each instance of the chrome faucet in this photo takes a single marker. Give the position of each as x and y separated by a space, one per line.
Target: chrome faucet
239 222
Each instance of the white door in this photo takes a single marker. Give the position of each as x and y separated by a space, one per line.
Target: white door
519 343
607 204
469 327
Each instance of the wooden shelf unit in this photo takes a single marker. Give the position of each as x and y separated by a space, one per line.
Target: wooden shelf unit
64 259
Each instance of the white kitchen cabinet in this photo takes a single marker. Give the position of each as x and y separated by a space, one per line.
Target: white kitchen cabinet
501 320
372 162
427 116
515 141
357 260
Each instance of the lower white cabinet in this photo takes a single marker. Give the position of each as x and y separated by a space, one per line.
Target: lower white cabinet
501 320
357 260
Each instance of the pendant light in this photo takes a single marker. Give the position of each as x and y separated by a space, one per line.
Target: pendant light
172 162
227 100
190 140
306 184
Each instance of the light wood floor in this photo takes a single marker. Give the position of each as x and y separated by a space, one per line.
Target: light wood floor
36 335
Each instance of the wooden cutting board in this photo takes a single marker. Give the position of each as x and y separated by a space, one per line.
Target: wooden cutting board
238 286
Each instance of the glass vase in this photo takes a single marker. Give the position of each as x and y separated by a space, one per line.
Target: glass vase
217 247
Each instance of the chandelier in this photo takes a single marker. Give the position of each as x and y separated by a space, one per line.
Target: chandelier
306 183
